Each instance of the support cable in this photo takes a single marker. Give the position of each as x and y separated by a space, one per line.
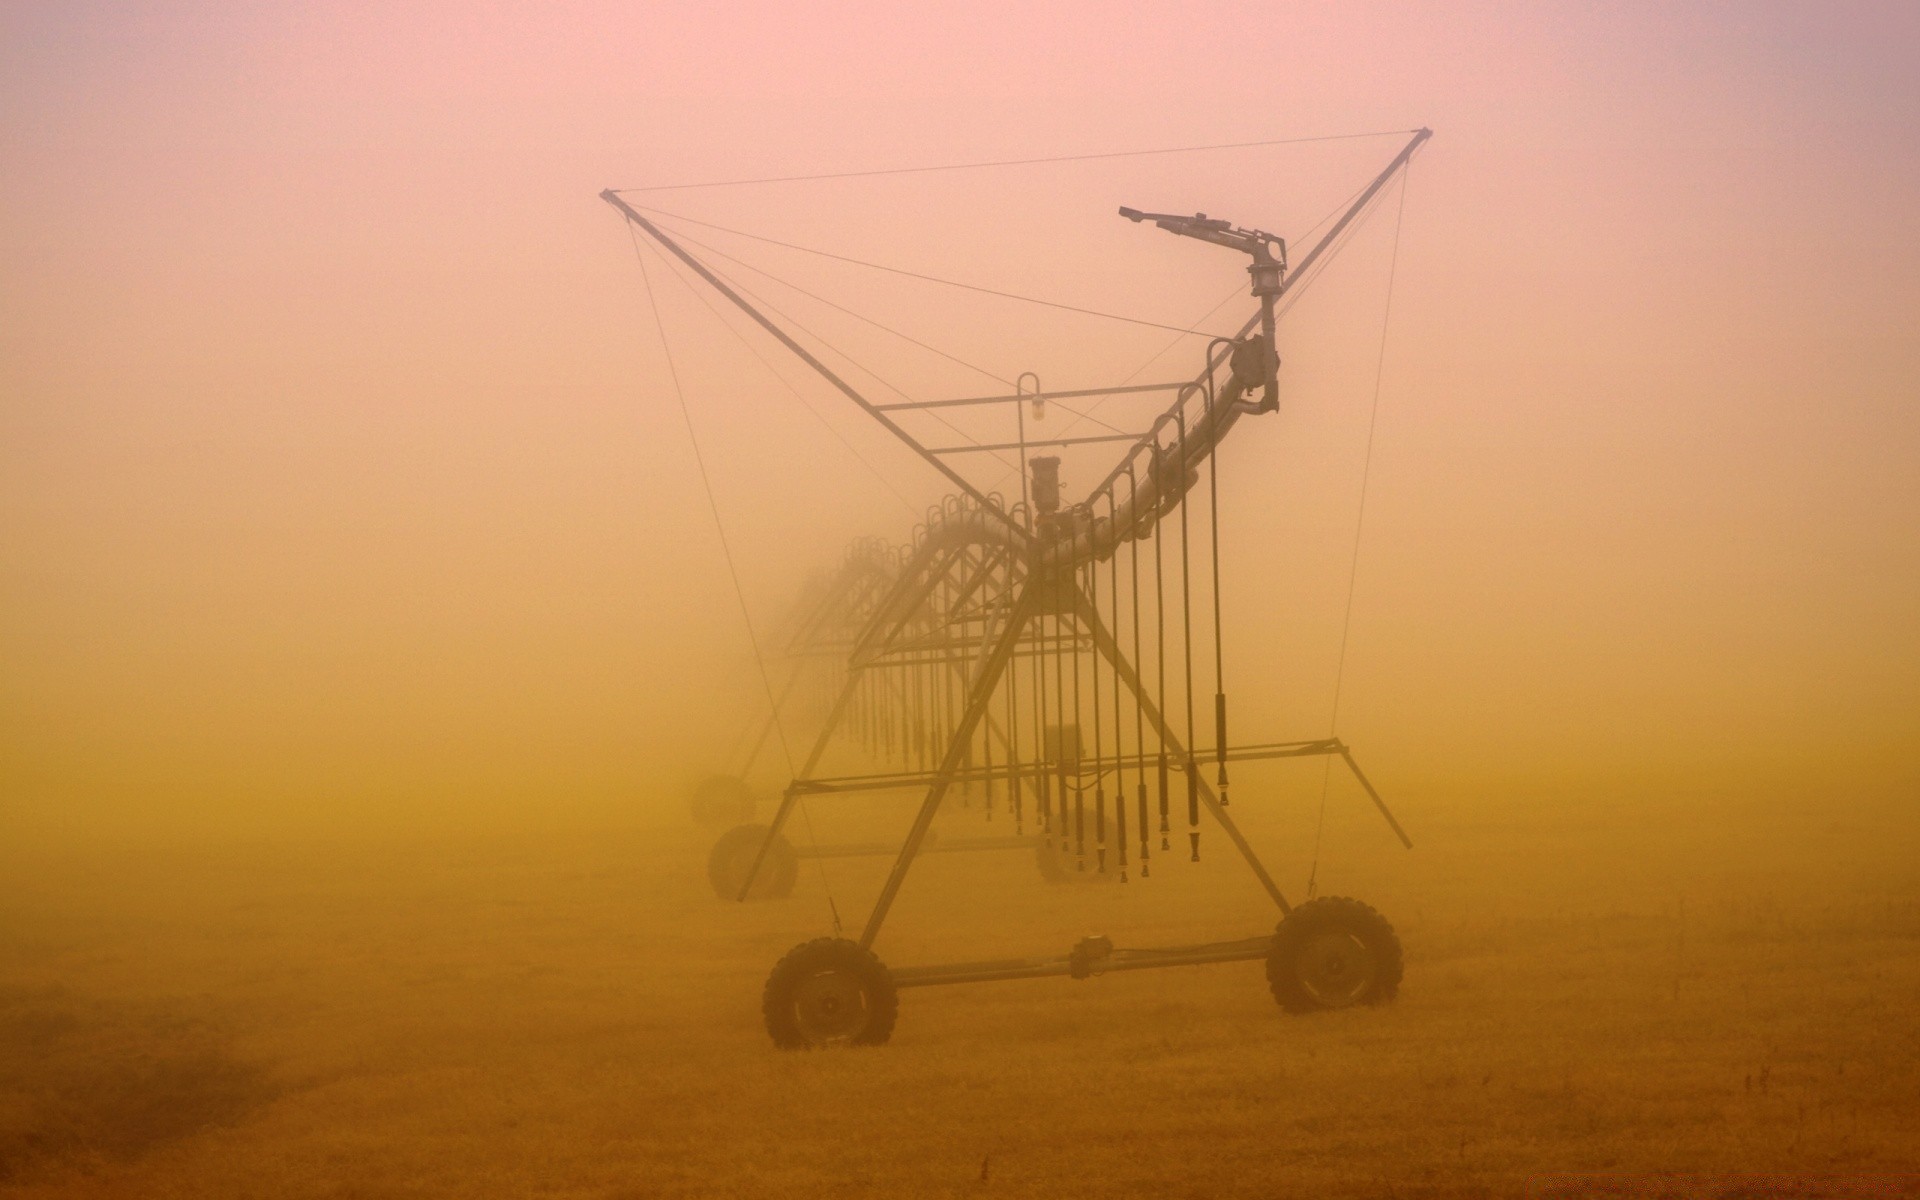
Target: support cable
870 372
1014 162
925 278
726 550
1359 524
858 316
784 381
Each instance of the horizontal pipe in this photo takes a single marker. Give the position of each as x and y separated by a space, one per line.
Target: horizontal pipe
1014 399
904 779
916 657
1037 443
1120 960
944 846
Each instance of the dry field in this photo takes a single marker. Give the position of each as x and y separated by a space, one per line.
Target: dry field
1684 998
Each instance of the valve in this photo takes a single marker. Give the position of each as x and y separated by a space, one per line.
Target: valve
1090 956
1046 484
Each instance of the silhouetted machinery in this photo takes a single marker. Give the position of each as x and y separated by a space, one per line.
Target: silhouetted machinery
914 660
1040 653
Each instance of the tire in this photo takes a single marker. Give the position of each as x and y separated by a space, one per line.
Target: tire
829 992
732 857
1058 864
719 801
1333 953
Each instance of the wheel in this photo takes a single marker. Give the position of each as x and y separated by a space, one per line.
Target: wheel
1333 953
721 800
732 857
1059 864
829 992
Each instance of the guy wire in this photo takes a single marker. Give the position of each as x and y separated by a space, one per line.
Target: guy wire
784 382
726 550
1012 162
926 278
1359 523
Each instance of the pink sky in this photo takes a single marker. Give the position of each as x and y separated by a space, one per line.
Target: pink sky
334 466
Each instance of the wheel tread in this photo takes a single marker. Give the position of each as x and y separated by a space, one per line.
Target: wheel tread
1366 923
776 1005
777 875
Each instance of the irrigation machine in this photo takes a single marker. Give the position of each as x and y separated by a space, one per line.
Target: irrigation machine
1038 654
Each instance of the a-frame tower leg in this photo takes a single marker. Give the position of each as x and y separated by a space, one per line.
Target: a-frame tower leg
787 799
1108 648
979 695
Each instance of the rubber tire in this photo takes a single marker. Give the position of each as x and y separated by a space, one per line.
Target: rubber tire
732 855
779 1000
1332 915
721 800
1058 865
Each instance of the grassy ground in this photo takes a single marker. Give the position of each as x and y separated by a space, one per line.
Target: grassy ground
1623 1002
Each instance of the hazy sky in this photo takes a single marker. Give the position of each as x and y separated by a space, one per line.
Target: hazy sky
339 473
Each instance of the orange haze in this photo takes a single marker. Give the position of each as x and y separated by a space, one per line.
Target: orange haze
342 482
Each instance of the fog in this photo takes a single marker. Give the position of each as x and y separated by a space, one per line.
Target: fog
351 513
341 485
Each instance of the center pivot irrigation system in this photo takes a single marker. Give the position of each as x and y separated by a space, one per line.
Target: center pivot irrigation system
1006 649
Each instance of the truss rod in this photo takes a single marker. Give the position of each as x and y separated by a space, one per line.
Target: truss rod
1032 442
699 268
1069 395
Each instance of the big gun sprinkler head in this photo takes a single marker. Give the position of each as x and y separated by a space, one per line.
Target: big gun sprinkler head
1268 269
